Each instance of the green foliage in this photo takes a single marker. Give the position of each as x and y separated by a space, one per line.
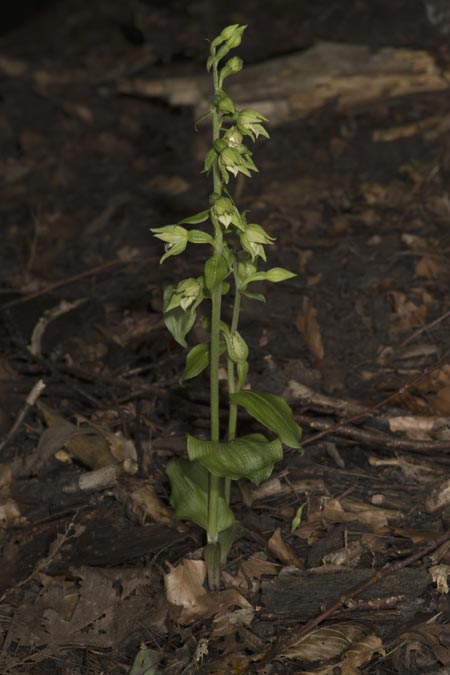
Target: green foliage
272 412
200 485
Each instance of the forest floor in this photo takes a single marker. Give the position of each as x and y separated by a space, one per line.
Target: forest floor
96 575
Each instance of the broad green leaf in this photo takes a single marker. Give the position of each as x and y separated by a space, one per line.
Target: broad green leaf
272 412
189 497
179 322
198 359
251 456
216 269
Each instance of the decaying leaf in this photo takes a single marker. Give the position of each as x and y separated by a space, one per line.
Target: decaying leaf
278 547
326 642
98 608
143 503
440 574
436 636
438 497
185 583
308 326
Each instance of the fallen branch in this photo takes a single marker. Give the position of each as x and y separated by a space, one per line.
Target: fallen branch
32 397
368 412
372 438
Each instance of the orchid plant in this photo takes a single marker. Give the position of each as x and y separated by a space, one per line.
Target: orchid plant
201 484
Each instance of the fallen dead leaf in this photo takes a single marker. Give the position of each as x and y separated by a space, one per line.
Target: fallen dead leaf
308 326
185 584
436 636
439 574
280 550
326 642
430 267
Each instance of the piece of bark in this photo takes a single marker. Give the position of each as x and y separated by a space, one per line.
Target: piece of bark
108 538
291 87
305 594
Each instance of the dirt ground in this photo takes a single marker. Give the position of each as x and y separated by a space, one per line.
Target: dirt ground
96 575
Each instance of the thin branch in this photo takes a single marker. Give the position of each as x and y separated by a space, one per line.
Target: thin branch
370 411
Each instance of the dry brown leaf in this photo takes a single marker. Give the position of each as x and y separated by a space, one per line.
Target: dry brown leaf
99 608
10 515
280 550
229 603
349 510
348 556
439 574
438 497
430 267
308 326
441 401
143 503
185 583
406 314
256 566
360 653
436 636
326 642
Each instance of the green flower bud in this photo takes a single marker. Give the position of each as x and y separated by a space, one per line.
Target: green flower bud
226 105
237 347
235 38
220 144
234 64
228 32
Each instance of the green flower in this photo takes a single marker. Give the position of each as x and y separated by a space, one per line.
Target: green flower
226 212
249 123
233 137
175 236
185 294
253 239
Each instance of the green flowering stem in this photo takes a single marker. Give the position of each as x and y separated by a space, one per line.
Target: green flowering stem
215 483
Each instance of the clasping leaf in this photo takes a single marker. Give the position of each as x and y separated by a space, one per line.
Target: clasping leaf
272 412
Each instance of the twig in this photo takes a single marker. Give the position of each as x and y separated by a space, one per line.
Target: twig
281 646
372 437
66 282
430 325
29 403
369 411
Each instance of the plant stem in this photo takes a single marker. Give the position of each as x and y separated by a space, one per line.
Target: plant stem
232 384
215 483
